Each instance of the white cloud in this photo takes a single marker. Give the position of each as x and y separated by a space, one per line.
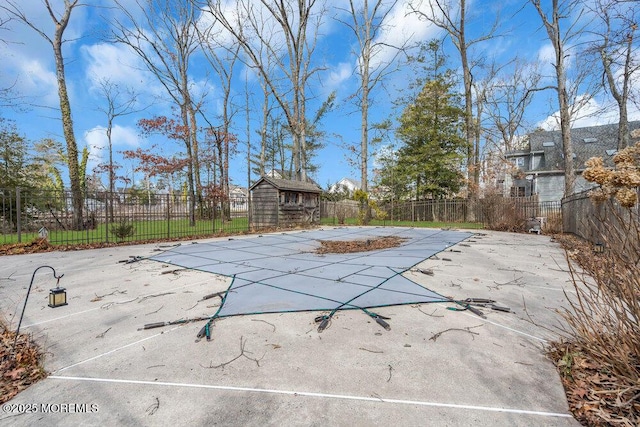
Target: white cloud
547 56
34 80
591 112
97 142
338 74
117 64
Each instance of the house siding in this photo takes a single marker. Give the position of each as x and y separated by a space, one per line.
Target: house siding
545 159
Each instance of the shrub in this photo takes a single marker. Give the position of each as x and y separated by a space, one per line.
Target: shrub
603 324
123 229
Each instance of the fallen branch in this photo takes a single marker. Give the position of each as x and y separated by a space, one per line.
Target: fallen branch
371 351
213 295
242 354
264 321
9 277
99 297
153 408
432 315
155 295
154 312
434 337
102 334
109 304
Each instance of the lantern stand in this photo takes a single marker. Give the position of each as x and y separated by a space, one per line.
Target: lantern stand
15 341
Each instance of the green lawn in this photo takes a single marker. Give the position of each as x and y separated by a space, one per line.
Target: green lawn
180 228
143 230
388 223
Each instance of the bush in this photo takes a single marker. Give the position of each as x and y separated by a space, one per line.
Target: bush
501 214
553 224
123 229
603 332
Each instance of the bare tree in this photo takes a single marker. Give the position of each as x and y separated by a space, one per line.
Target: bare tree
165 39
296 23
222 59
56 41
367 22
451 16
118 103
617 47
560 37
508 97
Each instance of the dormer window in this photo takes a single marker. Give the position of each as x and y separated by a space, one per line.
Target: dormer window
548 144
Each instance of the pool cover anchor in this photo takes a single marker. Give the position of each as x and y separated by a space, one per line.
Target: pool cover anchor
324 322
469 303
325 319
380 321
205 331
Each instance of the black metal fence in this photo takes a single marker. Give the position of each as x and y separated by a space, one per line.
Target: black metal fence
115 217
145 216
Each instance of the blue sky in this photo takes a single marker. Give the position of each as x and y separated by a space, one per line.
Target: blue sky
28 67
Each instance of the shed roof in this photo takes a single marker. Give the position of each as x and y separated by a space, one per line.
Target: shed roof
289 185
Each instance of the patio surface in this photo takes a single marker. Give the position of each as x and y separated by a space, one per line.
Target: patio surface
434 367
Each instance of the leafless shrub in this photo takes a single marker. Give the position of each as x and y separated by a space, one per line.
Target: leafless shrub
553 223
502 214
341 213
600 362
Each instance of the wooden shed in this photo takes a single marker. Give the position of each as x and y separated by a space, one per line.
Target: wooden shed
284 203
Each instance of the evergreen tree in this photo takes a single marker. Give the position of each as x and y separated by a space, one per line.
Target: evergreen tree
432 133
429 162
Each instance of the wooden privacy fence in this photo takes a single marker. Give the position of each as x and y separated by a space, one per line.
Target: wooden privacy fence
492 212
601 222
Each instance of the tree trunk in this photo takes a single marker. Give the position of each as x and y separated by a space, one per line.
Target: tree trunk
190 172
67 127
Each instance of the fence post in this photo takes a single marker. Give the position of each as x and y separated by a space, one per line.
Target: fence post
107 196
169 215
18 215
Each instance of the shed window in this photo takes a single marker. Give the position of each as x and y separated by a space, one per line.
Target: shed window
289 198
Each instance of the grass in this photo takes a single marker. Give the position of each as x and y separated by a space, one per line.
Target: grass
389 223
180 228
143 230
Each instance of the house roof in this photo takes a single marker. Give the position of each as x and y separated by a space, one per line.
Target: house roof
349 183
288 185
587 142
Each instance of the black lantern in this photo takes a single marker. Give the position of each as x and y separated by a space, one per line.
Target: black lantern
57 297
598 248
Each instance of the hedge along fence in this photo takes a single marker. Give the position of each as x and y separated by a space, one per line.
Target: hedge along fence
599 222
